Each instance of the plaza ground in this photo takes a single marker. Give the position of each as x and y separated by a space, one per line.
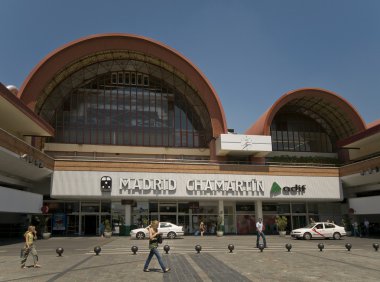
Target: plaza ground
116 261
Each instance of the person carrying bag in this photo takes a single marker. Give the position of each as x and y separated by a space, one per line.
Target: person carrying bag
30 236
154 236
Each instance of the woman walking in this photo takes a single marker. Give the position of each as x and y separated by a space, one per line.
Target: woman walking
30 236
153 245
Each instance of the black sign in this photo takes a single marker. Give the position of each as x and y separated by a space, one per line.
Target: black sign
106 183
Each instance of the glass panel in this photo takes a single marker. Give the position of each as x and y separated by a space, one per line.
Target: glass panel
104 109
298 208
168 207
283 208
296 132
245 224
106 206
312 208
90 206
183 207
269 208
153 207
245 208
72 207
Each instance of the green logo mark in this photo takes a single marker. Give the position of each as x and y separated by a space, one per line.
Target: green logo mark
276 189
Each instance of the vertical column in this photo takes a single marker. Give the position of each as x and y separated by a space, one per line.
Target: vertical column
220 226
80 220
127 215
258 209
126 227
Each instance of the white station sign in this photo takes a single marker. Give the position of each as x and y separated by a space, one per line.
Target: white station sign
193 186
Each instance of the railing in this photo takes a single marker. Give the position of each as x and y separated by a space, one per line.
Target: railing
183 161
20 147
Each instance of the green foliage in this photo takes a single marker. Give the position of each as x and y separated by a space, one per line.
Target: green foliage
107 226
282 222
220 225
43 223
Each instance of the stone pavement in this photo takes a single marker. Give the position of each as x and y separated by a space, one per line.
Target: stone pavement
116 261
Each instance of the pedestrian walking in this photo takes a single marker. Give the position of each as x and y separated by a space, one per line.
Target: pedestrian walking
30 247
153 245
101 229
366 226
260 233
202 228
356 229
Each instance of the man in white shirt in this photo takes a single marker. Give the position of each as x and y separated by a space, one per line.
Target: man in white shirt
366 225
259 229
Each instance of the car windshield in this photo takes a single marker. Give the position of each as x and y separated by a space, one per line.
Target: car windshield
310 225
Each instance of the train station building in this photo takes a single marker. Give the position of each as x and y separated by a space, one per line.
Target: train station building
122 127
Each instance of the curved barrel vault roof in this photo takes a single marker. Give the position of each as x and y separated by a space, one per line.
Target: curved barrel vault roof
35 85
314 102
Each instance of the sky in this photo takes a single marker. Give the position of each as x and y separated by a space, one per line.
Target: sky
252 51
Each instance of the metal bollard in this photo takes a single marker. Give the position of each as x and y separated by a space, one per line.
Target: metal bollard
231 247
261 247
59 251
348 246
134 249
288 247
97 250
321 246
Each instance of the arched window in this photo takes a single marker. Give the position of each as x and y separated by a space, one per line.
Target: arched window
299 133
127 102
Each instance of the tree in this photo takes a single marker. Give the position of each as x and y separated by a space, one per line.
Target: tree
282 222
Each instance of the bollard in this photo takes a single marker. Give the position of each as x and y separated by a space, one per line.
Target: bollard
375 246
288 246
198 248
348 246
59 251
261 247
321 246
231 247
166 248
97 250
134 249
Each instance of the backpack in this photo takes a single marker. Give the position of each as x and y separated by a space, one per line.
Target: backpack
159 239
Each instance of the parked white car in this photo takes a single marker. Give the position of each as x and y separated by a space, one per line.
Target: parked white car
168 230
319 230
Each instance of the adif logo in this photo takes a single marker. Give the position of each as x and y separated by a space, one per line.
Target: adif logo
287 190
276 189
106 183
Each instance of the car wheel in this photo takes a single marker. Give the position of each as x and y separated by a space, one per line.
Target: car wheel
336 236
171 235
307 236
140 235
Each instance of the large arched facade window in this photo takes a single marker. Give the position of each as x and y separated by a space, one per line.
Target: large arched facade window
299 133
126 102
308 120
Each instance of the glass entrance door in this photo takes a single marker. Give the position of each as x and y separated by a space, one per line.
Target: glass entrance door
172 218
298 221
89 224
183 220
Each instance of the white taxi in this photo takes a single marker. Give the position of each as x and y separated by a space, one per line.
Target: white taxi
319 230
168 230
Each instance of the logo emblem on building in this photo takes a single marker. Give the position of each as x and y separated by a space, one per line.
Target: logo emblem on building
276 189
287 190
106 183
